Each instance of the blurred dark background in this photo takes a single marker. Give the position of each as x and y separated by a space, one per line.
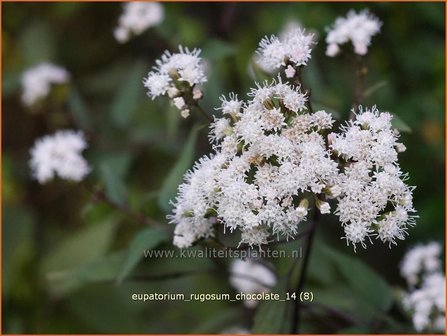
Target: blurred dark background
49 227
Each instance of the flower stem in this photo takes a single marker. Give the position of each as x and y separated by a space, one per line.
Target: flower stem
100 196
361 71
203 112
296 316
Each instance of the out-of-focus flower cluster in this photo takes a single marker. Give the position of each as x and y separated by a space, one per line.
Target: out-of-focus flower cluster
251 277
358 28
425 300
37 81
59 155
136 18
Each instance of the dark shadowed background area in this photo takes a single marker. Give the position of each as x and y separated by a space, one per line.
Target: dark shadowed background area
63 249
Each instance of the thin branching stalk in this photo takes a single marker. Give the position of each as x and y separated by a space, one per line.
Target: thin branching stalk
297 312
100 196
361 72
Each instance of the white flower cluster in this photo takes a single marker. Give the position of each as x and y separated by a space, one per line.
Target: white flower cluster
268 153
251 277
37 81
290 50
177 76
425 301
358 28
374 199
419 260
136 18
59 154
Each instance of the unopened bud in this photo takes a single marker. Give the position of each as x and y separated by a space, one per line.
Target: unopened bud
268 104
173 92
400 147
179 102
333 191
290 71
185 113
323 206
331 138
197 94
173 73
303 207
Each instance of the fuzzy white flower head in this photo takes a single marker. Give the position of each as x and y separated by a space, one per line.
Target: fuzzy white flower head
136 18
195 200
173 71
372 180
251 277
420 260
37 81
293 47
230 106
59 154
425 300
427 304
358 28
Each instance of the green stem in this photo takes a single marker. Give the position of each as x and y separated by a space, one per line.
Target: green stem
203 112
296 317
361 71
100 196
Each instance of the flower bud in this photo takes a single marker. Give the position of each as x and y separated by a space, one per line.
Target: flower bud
173 92
323 206
197 94
303 207
185 113
331 138
332 191
179 102
268 104
400 147
290 71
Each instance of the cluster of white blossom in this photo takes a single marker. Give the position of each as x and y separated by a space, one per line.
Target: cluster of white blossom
420 260
251 277
290 50
59 154
268 153
177 75
37 81
425 300
136 18
374 199
358 28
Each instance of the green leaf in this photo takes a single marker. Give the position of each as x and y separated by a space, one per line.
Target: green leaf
219 322
115 189
79 110
128 96
175 176
374 88
82 247
144 240
37 43
216 50
365 282
99 270
274 317
400 125
105 309
18 250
